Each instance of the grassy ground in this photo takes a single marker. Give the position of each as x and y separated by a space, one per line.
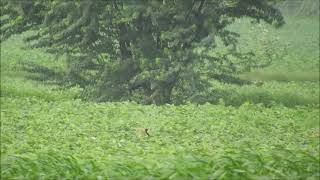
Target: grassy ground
297 42
46 133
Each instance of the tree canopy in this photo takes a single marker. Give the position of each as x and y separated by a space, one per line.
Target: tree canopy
140 50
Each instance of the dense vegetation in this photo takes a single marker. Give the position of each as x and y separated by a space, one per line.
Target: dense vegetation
264 130
64 139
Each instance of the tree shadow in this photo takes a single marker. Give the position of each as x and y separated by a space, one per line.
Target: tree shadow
43 74
268 99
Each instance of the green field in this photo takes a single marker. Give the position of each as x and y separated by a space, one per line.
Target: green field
253 132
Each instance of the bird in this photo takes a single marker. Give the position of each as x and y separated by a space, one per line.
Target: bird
142 131
258 83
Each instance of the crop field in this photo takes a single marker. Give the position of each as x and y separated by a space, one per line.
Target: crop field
254 132
70 138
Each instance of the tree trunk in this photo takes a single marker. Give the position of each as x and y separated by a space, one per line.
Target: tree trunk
163 95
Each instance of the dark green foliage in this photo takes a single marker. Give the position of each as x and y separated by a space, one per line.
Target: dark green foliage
20 16
142 51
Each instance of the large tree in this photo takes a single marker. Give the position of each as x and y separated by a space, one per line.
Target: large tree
144 49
